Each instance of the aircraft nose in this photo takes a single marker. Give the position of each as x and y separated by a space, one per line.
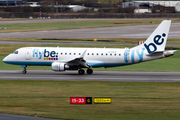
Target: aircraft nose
5 59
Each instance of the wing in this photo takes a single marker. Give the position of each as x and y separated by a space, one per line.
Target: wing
80 62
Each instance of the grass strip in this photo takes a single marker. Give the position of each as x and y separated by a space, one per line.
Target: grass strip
87 40
150 101
75 24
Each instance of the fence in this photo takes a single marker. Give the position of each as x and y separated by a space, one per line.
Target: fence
91 15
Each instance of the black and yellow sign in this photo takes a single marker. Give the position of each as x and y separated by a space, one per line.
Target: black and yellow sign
102 100
88 100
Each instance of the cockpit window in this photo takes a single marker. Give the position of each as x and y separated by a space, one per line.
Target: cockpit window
15 52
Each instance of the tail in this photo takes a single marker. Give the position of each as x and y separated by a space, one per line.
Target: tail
156 42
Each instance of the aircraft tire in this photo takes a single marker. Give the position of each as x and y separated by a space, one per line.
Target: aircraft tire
24 71
89 71
81 72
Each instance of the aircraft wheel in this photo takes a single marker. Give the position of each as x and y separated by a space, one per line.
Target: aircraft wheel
81 72
89 71
24 71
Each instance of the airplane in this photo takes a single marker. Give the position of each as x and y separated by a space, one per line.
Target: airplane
62 59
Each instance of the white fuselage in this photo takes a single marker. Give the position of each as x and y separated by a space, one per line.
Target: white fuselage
95 57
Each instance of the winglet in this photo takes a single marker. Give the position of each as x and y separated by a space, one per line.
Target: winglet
82 56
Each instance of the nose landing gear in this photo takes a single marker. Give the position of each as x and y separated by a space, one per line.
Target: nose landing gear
24 71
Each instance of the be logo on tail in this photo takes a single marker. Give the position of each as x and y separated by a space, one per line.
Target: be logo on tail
158 40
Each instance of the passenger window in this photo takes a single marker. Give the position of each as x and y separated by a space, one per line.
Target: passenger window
92 53
101 53
79 53
119 54
88 54
65 53
61 53
74 53
97 53
69 53
106 54
114 54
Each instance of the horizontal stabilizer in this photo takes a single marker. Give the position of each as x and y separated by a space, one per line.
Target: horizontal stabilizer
169 53
156 53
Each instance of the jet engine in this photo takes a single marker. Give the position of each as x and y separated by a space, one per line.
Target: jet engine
58 66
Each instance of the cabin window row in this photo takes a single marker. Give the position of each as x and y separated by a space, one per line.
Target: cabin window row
106 54
101 54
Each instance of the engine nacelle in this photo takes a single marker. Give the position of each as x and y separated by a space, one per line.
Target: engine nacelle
58 66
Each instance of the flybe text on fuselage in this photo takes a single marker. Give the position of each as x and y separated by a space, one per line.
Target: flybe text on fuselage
140 52
48 55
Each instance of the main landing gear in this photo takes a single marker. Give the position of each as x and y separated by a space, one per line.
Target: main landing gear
89 71
24 71
81 71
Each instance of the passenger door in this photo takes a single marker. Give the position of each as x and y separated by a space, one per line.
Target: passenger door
28 53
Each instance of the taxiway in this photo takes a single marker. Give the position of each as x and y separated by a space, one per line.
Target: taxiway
132 31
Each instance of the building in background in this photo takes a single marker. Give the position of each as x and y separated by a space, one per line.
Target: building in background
165 6
165 3
11 2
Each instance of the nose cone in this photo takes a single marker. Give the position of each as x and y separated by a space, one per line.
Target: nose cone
5 59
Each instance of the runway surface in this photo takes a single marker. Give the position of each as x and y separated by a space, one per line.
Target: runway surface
117 76
134 31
